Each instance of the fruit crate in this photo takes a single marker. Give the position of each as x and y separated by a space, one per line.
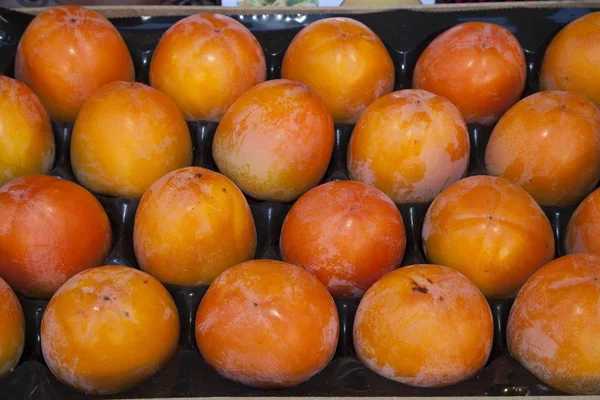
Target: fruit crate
406 32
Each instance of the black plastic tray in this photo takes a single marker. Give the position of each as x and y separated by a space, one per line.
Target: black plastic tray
405 33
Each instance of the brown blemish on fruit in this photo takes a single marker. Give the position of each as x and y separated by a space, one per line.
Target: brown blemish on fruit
198 175
417 288
420 289
106 298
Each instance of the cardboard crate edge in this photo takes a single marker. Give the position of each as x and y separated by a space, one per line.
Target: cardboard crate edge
153 11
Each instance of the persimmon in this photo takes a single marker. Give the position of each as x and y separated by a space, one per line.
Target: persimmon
267 324
583 230
126 137
554 324
346 233
12 329
67 53
479 66
344 61
26 138
548 143
108 329
572 60
210 227
50 229
424 326
490 230
275 142
205 62
410 144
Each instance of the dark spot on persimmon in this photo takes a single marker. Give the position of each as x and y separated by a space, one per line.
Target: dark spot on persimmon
420 289
198 175
217 31
224 190
563 106
491 218
353 207
106 298
126 314
146 280
441 298
255 304
429 280
72 20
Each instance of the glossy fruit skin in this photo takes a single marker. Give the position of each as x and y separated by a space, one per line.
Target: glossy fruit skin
276 141
490 230
346 233
267 324
25 132
424 326
50 229
12 329
478 66
572 60
554 323
410 144
108 329
126 137
584 226
66 54
344 61
205 62
210 227
548 143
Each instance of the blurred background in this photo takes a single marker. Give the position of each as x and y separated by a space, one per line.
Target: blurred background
348 3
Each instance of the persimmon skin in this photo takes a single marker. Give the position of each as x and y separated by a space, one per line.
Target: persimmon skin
205 62
490 230
410 144
12 329
275 142
108 329
210 227
572 60
346 233
66 54
479 66
344 61
267 324
424 326
554 323
126 137
583 230
548 143
50 229
25 132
